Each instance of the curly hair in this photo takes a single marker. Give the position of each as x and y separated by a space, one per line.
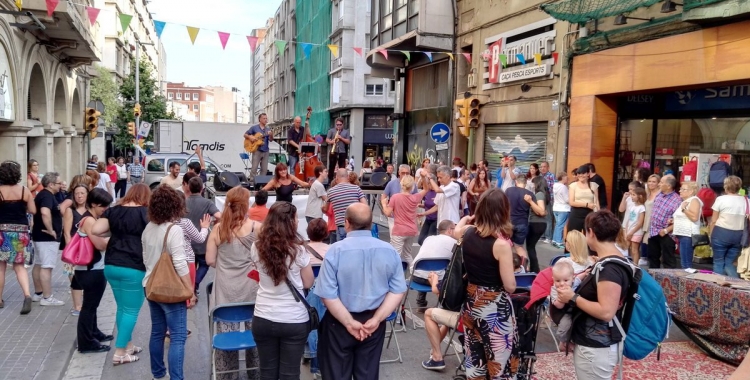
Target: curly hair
235 212
278 241
10 173
167 205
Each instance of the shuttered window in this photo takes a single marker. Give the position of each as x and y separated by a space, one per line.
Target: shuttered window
528 142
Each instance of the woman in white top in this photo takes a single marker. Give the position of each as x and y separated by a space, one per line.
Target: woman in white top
652 190
105 183
164 209
281 323
687 221
560 207
727 223
122 178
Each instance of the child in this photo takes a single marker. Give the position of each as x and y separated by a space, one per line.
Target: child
562 276
634 222
518 264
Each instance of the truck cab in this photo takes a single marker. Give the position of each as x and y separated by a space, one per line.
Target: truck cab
157 166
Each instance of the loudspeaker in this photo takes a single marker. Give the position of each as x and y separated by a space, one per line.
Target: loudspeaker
262 180
242 177
224 181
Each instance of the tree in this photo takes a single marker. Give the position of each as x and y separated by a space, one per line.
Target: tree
153 104
104 89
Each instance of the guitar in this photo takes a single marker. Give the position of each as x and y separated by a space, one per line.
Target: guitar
252 146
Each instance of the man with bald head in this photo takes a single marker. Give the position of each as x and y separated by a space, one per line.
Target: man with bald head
361 283
341 196
294 137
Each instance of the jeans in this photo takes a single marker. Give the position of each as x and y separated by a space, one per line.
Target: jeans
280 348
341 232
429 228
536 230
93 284
561 218
293 161
726 247
686 251
127 287
172 316
550 223
201 269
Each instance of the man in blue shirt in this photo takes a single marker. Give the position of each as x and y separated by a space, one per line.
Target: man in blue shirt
361 283
260 156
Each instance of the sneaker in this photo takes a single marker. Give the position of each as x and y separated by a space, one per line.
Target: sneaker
75 312
433 365
51 301
26 308
545 240
36 297
642 262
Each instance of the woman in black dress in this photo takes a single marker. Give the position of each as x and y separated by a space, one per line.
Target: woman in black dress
283 183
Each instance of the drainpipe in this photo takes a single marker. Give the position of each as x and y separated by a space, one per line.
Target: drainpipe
453 79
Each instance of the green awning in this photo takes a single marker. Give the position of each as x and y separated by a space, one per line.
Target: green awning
690 4
580 11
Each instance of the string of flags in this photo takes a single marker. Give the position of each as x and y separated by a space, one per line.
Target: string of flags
125 19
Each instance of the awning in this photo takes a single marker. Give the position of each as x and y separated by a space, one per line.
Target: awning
580 11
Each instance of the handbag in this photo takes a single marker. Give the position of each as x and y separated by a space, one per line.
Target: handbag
745 242
165 285
743 264
311 311
700 238
80 250
453 291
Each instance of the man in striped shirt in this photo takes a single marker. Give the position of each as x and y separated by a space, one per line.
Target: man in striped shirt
91 165
341 196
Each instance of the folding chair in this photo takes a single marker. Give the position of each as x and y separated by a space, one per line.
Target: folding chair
556 258
392 335
429 265
524 280
233 340
457 328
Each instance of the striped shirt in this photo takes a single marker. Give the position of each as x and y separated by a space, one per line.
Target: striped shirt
91 166
191 235
340 197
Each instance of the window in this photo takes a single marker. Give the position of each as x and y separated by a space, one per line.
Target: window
374 89
195 107
195 96
392 85
179 96
341 9
170 95
155 165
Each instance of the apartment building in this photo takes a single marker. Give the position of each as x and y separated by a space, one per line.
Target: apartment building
280 92
257 77
200 101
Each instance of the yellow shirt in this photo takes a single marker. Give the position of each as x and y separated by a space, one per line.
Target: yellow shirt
172 182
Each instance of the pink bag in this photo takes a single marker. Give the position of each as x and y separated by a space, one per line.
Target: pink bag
80 250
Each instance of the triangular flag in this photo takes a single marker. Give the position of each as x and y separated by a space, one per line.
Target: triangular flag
125 21
407 54
554 57
159 26
358 51
93 14
19 4
334 50
428 54
223 37
307 49
521 58
280 45
384 53
253 41
51 5
503 59
467 56
450 55
538 58
193 32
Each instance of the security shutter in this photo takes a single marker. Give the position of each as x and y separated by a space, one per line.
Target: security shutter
528 142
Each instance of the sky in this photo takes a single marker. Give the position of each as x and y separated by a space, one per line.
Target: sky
205 63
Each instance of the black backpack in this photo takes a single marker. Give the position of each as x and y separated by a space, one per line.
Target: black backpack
453 291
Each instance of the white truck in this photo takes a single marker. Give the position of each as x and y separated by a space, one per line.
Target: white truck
223 143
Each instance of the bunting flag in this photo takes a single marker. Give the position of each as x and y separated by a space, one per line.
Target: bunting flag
253 41
51 5
407 54
193 32
503 60
159 26
334 50
467 56
223 37
307 49
554 57
125 21
280 45
429 55
538 58
521 58
384 53
19 4
450 55
358 51
93 14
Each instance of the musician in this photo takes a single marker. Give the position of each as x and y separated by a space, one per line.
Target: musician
261 155
342 139
294 137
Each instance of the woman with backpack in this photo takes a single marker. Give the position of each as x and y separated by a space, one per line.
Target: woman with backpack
598 301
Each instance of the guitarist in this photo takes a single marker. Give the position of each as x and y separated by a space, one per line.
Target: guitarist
260 156
343 140
294 137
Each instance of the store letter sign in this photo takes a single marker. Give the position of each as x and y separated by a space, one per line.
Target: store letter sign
495 61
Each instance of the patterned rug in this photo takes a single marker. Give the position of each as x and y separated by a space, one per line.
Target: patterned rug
679 361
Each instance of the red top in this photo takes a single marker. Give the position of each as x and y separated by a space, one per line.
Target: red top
405 213
258 213
112 171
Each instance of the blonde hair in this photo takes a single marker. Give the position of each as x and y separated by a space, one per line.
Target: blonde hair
732 184
579 250
691 186
407 183
563 265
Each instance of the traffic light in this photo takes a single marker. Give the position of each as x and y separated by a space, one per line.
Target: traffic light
467 115
137 110
131 129
92 121
474 104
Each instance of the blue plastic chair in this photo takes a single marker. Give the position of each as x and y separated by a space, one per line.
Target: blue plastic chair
233 340
524 280
556 258
316 270
391 319
428 265
244 156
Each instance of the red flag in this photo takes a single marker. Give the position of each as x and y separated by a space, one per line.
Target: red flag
554 57
384 53
93 14
358 50
51 5
467 56
253 42
224 37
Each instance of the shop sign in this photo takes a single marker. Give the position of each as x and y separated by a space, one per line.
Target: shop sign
525 73
376 121
6 87
378 136
542 43
712 98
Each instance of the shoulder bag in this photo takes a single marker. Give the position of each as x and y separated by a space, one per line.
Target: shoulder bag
701 238
745 231
311 311
80 250
165 285
453 290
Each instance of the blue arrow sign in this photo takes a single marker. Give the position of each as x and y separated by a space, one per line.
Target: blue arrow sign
440 133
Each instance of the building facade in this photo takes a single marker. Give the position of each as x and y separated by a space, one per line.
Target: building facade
200 101
44 84
281 92
258 77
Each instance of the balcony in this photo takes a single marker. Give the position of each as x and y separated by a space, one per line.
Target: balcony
67 34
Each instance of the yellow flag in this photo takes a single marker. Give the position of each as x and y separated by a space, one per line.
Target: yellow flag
193 32
450 55
334 50
19 4
538 58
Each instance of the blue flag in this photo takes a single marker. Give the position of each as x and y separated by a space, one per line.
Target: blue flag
521 58
306 48
159 26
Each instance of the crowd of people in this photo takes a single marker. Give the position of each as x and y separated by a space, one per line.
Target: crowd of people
259 257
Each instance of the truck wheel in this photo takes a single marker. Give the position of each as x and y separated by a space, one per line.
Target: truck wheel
154 185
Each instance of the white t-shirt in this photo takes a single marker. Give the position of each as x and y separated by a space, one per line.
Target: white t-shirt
122 172
435 247
631 217
732 210
507 180
276 303
449 202
561 198
314 200
103 181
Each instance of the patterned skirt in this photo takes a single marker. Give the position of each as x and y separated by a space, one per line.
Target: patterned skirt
490 331
14 240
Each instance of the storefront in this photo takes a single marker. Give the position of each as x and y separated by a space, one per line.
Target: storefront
527 142
663 102
378 138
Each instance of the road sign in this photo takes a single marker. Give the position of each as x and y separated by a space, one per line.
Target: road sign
144 129
441 146
440 133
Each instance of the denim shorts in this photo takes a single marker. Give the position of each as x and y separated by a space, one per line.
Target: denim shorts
519 234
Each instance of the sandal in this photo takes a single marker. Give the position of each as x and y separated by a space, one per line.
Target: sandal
134 350
124 359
